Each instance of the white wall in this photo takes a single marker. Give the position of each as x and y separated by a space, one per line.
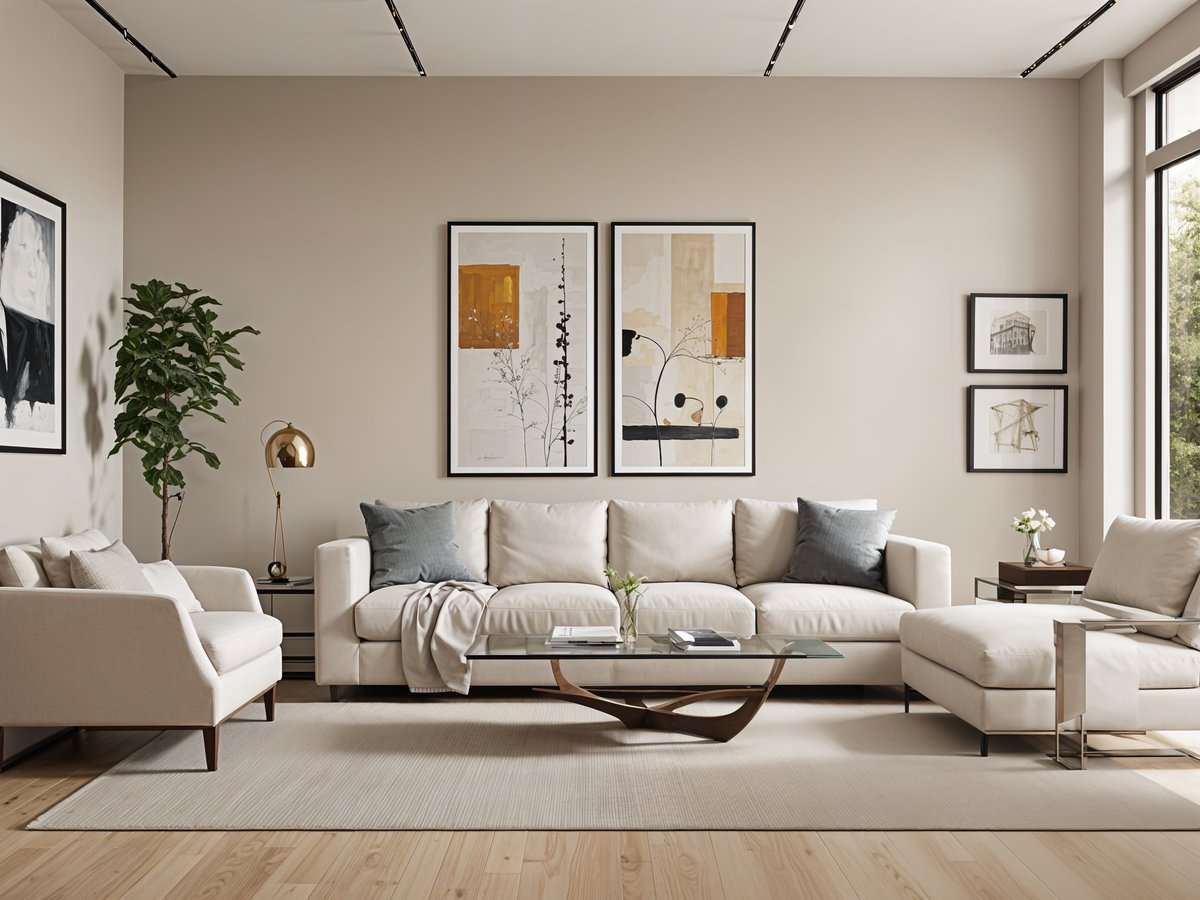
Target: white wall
316 208
62 109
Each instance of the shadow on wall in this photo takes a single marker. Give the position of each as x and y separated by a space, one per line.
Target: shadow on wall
97 405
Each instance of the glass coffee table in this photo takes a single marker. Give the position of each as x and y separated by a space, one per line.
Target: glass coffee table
629 706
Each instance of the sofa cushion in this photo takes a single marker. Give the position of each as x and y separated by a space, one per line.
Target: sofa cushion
839 546
695 605
21 566
111 568
471 524
531 543
827 611
537 608
232 639
1147 564
56 554
764 536
377 615
1165 664
666 542
994 645
411 545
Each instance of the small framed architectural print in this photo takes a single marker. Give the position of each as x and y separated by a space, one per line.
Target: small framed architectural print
683 348
33 306
522 354
1017 428
1018 334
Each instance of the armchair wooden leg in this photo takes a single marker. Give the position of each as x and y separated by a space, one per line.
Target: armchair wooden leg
333 693
269 702
212 745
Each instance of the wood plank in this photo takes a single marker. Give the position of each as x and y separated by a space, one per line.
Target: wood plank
684 866
776 864
872 865
461 871
1072 865
506 854
945 867
637 869
238 867
370 868
419 875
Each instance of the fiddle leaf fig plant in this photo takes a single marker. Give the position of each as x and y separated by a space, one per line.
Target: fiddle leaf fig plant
171 365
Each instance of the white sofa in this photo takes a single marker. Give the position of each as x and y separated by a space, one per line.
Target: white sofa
717 564
106 659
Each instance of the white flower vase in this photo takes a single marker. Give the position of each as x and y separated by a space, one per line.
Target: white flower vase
629 618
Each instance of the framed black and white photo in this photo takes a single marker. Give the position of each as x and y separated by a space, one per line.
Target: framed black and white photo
1018 334
32 319
1017 428
522 354
683 348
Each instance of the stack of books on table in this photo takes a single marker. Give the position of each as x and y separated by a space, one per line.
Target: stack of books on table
701 640
582 636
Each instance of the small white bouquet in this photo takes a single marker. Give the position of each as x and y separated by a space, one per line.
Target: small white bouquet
1032 523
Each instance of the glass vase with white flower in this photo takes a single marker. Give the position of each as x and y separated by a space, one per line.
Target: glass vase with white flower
1032 523
628 591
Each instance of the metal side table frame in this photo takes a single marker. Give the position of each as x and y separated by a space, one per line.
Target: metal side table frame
1070 689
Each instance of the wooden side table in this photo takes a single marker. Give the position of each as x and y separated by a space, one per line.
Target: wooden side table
292 604
1017 583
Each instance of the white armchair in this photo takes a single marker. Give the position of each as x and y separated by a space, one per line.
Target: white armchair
112 660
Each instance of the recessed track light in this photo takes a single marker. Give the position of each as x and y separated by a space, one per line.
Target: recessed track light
1070 37
787 30
407 39
142 48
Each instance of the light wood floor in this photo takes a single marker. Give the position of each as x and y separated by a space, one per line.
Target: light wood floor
585 865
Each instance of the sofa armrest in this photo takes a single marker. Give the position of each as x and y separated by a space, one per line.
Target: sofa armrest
80 657
342 577
918 571
222 588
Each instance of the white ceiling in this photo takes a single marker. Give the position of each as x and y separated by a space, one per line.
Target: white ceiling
981 38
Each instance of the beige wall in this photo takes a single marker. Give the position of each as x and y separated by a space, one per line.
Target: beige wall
316 209
62 109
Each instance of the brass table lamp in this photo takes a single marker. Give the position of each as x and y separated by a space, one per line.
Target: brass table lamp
286 448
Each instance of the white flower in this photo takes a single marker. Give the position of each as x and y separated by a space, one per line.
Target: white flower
1043 513
1029 513
1049 523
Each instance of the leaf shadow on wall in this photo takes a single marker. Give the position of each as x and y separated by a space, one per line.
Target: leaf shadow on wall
94 376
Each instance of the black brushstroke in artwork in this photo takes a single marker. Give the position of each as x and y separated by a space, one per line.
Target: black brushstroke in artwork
678 433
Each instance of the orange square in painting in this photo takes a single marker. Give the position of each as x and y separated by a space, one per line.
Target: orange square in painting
729 324
489 307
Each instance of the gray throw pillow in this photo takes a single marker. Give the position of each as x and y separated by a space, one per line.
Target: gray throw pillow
411 545
840 546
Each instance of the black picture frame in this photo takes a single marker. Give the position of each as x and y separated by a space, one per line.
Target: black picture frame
457 470
616 423
39 337
1057 335
1061 418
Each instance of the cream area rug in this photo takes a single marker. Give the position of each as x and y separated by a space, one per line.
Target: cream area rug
546 765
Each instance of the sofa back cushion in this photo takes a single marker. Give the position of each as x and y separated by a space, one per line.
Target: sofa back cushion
1147 564
666 542
471 524
21 567
530 543
764 533
111 568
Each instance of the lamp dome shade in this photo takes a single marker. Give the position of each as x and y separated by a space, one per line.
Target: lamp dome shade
290 448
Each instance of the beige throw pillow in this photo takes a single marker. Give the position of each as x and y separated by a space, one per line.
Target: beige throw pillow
21 567
113 568
56 554
1147 564
165 578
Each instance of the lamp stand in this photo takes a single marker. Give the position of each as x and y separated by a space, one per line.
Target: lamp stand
277 568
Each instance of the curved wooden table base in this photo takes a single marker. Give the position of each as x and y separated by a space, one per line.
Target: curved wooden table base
634 713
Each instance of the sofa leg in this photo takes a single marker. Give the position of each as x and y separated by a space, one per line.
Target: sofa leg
907 696
269 702
983 743
212 745
333 693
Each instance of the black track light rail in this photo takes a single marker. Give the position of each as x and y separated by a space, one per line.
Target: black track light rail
787 30
1070 37
404 34
124 32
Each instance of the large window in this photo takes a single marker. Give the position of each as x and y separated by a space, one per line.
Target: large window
1178 314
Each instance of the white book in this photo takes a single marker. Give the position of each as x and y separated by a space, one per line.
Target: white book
582 635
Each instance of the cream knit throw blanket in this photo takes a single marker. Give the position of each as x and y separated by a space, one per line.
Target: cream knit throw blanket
437 626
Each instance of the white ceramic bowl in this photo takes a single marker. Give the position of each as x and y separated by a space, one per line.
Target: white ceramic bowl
1051 556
